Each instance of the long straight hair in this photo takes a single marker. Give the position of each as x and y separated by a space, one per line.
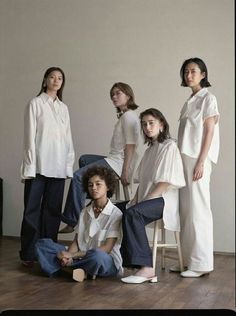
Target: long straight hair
46 75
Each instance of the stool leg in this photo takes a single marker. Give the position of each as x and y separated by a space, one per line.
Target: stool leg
154 247
163 250
126 193
117 190
177 238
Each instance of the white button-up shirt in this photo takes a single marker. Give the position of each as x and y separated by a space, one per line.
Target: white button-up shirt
198 108
93 232
126 131
48 146
162 163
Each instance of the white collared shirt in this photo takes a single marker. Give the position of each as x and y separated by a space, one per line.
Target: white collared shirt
48 146
197 108
126 131
93 232
162 162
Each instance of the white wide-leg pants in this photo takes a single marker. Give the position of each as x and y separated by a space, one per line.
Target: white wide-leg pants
196 218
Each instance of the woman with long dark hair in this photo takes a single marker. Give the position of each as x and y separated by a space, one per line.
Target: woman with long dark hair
47 161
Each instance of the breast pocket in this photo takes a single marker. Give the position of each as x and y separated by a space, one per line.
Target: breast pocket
102 235
195 115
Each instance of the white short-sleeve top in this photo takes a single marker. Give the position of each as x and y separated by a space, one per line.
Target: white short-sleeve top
162 163
93 232
48 146
195 110
126 131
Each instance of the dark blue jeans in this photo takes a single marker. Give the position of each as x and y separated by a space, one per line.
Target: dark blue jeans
135 249
43 199
76 197
95 262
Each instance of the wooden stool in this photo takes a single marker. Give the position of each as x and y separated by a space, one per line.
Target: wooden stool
159 225
117 191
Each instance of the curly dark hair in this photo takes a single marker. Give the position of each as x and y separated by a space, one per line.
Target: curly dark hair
165 134
105 174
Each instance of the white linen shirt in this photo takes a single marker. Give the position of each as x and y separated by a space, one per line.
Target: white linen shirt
126 131
48 146
93 232
162 162
193 114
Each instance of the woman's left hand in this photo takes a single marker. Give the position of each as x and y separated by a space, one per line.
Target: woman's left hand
198 171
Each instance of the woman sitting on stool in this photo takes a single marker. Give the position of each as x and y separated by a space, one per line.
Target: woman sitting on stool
160 175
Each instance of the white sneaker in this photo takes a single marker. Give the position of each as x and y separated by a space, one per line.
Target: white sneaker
192 274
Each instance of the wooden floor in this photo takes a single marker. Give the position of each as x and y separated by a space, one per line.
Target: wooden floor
26 289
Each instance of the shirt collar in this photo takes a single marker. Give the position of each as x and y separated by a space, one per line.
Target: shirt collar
201 93
45 97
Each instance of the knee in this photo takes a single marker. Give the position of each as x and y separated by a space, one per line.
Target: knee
129 213
97 256
77 176
82 161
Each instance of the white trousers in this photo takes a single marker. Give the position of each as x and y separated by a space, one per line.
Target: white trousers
196 218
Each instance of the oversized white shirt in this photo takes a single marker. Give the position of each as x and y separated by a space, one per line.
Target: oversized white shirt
193 114
93 232
48 146
162 162
126 131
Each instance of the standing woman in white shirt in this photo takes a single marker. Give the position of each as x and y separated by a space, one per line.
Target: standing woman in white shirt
47 161
198 140
122 157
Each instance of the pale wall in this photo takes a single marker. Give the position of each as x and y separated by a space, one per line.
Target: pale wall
99 42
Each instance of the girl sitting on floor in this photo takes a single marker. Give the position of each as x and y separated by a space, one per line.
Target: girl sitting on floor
95 250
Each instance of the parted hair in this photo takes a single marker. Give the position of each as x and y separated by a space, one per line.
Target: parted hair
165 134
202 66
104 173
46 75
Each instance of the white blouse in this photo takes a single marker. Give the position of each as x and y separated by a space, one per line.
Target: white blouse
197 108
93 232
126 131
162 163
48 146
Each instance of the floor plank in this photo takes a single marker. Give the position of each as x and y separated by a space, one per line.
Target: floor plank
27 289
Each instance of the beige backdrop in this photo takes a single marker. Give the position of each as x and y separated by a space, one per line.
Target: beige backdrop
99 42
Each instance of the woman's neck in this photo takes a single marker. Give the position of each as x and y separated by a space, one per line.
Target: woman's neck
196 89
100 203
52 94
